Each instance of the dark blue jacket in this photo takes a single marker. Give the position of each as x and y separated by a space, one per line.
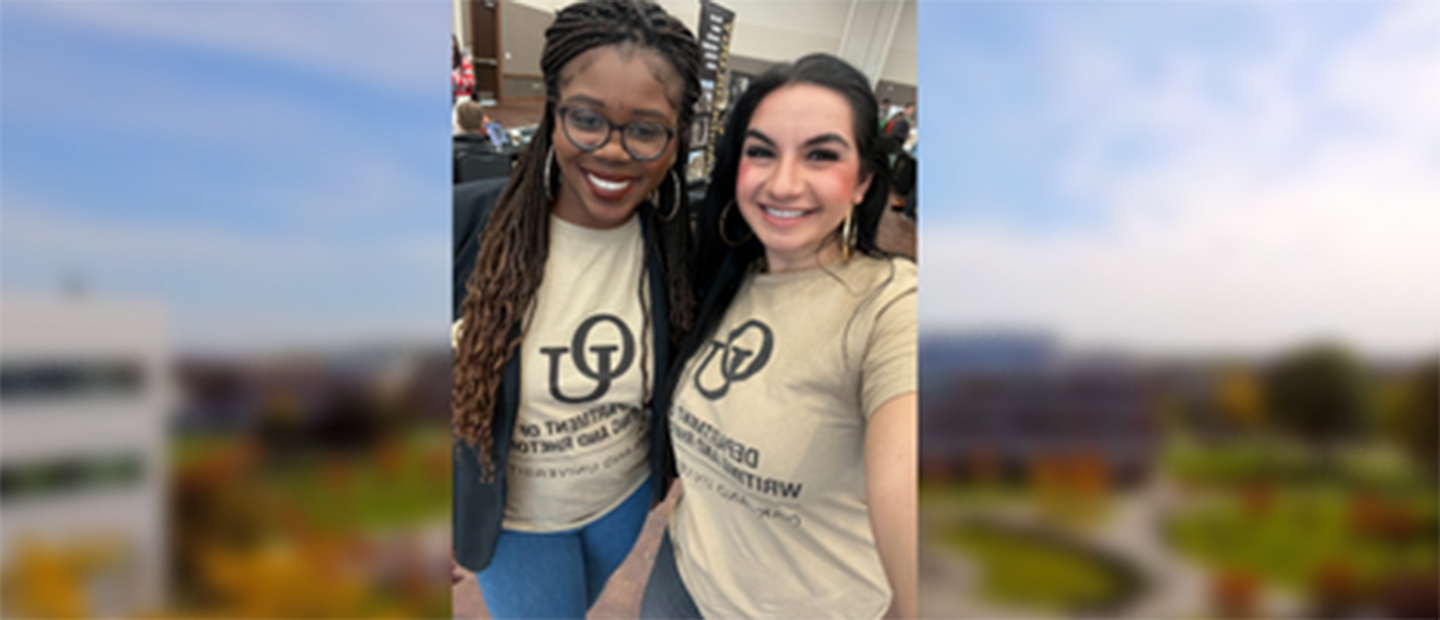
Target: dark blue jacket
477 508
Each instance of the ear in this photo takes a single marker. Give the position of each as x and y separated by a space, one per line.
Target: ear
861 187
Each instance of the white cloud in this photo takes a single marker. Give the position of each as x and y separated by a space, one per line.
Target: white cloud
234 291
43 234
1284 214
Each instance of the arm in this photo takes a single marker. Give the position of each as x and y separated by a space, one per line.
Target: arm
890 479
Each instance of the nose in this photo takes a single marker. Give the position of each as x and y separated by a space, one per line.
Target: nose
789 181
614 147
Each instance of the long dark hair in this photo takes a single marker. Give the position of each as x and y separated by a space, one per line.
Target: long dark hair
723 265
516 241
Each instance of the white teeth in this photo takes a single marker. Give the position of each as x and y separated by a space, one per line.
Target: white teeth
784 214
609 186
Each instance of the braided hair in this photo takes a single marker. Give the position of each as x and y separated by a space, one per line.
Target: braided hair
516 241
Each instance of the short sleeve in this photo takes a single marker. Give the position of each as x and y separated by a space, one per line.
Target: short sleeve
889 367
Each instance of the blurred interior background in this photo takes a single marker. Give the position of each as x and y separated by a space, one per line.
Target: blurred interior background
499 98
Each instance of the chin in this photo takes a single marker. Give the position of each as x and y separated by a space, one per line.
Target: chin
784 245
610 214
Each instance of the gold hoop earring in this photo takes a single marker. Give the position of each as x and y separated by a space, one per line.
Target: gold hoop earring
723 236
549 161
845 235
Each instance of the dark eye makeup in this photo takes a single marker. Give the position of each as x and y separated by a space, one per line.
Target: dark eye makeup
754 151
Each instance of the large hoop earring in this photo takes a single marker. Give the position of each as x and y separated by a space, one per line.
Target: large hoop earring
845 235
549 161
675 209
675 206
723 236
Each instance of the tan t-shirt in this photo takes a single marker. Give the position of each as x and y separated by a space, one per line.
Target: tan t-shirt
581 441
769 433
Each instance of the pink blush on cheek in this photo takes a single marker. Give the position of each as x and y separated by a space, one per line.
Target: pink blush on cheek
745 178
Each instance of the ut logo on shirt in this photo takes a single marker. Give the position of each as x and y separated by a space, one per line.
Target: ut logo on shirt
605 368
751 342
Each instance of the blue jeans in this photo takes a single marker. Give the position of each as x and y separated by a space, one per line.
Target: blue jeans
560 574
665 594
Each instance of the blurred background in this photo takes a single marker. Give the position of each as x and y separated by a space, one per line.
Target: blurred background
225 374
1179 309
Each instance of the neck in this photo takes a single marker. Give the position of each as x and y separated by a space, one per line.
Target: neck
829 253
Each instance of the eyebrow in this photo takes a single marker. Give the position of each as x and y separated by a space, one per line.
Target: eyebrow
591 101
824 138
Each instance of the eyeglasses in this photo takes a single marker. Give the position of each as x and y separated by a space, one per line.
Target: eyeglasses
589 130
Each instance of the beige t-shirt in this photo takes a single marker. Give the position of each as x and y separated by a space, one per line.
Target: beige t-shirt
769 434
581 440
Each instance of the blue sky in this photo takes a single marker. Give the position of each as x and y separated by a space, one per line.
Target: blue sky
276 174
1150 175
1182 177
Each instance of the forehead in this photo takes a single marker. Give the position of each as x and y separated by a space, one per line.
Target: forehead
623 76
802 111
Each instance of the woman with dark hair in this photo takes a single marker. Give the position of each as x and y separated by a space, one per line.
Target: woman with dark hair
793 416
577 286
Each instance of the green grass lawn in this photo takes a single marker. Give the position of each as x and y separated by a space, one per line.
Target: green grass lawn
1375 465
1277 510
1017 568
368 491
407 483
1300 531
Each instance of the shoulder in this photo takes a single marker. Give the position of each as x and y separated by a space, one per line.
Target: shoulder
885 336
881 278
479 194
473 203
886 296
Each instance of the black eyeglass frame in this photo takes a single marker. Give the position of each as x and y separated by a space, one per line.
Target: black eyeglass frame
611 127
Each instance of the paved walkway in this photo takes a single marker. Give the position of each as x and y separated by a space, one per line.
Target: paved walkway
1176 587
1132 530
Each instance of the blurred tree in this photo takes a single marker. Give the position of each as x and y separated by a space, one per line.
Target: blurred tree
1335 590
214 500
1412 596
352 421
1240 399
61 579
1234 594
985 467
1417 425
281 425
285 579
1318 394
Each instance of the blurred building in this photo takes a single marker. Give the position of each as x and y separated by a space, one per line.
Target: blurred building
84 398
999 403
237 395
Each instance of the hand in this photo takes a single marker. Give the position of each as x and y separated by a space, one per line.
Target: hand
457 573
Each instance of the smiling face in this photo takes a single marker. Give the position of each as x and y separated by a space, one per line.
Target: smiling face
799 175
622 84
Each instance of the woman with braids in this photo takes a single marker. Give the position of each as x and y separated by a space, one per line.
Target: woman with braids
577 285
793 417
